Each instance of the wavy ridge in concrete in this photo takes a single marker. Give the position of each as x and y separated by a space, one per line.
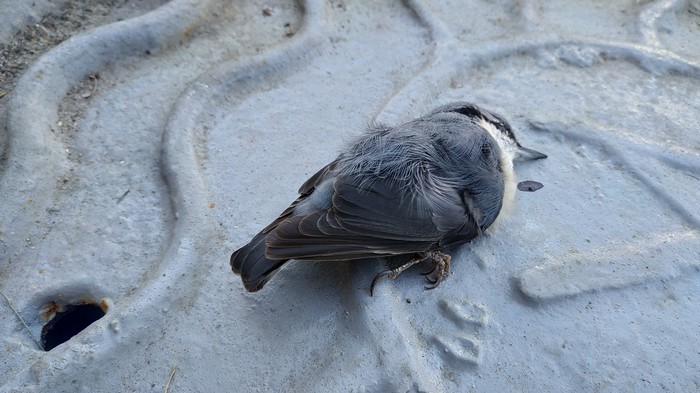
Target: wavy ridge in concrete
36 155
558 299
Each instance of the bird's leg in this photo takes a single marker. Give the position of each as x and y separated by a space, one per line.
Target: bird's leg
393 273
440 269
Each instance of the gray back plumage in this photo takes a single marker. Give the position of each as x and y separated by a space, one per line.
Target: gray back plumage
433 159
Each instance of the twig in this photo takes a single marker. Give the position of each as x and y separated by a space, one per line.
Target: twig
94 79
121 198
172 374
9 303
44 30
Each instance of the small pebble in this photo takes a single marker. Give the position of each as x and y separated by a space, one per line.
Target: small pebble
529 185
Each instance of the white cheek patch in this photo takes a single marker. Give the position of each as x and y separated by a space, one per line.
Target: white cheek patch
508 149
509 187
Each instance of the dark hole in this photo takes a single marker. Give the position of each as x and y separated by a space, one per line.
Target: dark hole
68 323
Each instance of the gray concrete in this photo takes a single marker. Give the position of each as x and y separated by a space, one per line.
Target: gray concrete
139 153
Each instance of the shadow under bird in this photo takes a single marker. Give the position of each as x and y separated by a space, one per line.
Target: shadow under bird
413 189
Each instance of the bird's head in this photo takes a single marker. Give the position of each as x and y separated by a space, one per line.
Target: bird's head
497 127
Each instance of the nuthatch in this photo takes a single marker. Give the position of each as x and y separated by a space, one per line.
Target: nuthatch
416 188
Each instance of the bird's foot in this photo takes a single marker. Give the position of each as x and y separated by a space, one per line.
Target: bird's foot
440 269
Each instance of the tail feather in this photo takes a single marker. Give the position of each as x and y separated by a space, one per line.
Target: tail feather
254 267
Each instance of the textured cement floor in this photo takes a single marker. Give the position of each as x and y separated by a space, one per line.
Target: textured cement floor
142 142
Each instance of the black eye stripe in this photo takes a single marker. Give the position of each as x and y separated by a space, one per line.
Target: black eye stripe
505 128
475 112
470 111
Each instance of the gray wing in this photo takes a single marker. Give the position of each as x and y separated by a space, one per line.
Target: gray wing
304 191
369 220
251 261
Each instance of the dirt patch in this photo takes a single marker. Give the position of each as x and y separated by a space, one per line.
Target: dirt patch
27 45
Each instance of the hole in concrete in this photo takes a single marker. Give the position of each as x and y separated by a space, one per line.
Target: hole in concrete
67 323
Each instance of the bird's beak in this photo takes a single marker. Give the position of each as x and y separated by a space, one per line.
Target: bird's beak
526 154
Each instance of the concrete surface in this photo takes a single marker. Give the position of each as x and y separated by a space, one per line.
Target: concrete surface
143 142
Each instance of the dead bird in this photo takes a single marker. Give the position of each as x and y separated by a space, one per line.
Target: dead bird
416 188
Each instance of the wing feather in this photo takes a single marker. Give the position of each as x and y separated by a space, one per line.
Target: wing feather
365 220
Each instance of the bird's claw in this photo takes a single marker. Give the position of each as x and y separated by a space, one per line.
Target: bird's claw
379 275
432 269
439 270
433 284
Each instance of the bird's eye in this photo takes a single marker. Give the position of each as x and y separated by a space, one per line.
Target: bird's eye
486 151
